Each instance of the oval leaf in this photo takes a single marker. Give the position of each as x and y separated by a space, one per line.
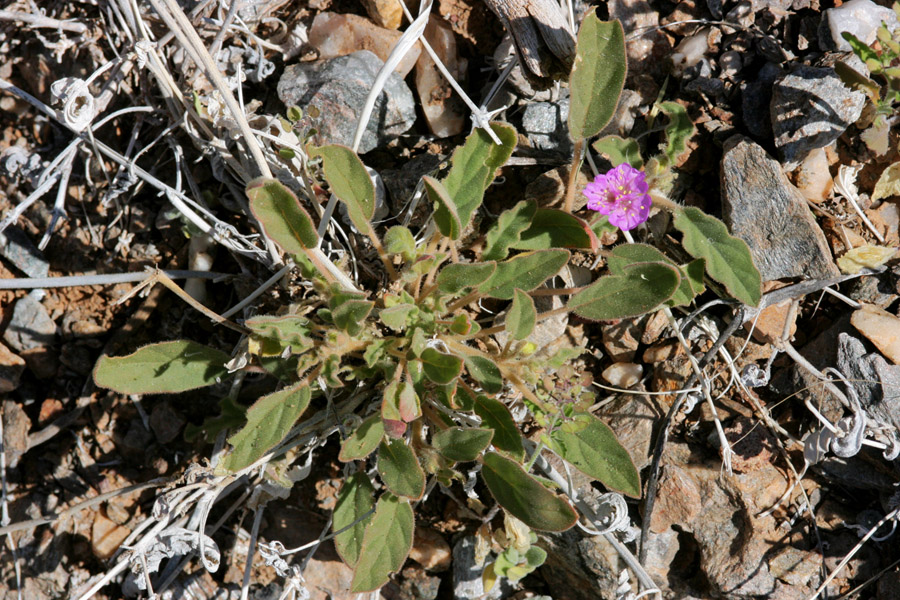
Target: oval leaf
556 229
642 287
462 445
356 498
598 76
439 367
484 371
399 469
164 368
400 240
281 216
362 442
454 278
524 497
620 150
495 415
728 258
590 446
522 316
386 544
508 229
526 272
349 181
446 216
268 421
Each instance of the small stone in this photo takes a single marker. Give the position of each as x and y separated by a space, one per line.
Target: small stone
753 446
430 550
862 18
443 108
11 368
467 575
30 327
768 326
166 422
545 124
632 419
16 426
386 13
881 328
730 64
416 584
136 442
795 566
873 378
660 352
623 375
811 108
764 209
336 35
622 339
338 87
813 178
16 247
51 408
654 328
106 536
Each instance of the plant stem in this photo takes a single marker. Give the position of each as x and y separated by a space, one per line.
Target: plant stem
573 175
540 317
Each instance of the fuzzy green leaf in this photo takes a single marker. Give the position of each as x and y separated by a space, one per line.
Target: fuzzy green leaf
556 229
590 446
462 445
268 421
484 371
356 498
728 258
397 317
286 330
351 315
691 283
508 229
400 402
362 442
524 497
164 368
386 544
641 288
456 277
281 216
495 415
439 367
400 240
522 316
349 181
399 469
446 214
678 131
620 150
525 271
598 76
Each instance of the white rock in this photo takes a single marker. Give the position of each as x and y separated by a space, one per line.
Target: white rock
622 374
881 328
862 18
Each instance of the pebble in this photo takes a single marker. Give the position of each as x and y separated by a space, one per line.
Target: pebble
11 368
338 88
106 536
874 380
30 327
16 426
444 111
764 209
336 35
430 550
730 63
623 375
416 584
545 124
16 247
166 422
386 13
862 18
881 328
811 107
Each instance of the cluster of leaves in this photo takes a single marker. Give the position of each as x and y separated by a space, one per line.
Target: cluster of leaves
440 380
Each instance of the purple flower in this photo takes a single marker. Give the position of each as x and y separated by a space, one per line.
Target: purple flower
621 194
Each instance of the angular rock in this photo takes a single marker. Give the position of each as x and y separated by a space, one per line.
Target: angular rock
416 584
443 108
16 247
16 425
764 209
811 108
11 368
430 550
106 536
30 327
166 422
338 88
756 95
875 381
546 125
862 18
386 13
633 419
467 575
336 35
881 328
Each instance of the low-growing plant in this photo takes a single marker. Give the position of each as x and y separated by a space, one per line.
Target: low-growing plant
419 384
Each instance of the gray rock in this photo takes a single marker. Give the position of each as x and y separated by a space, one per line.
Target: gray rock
862 18
876 382
30 327
467 575
810 109
545 125
17 248
338 88
756 96
764 209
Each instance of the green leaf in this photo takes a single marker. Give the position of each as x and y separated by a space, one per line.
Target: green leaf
350 316
624 255
400 402
525 271
556 229
400 240
286 330
507 230
620 150
362 442
522 316
356 498
484 371
164 368
728 258
349 181
691 283
462 445
399 469
386 544
456 277
524 497
446 214
598 76
439 367
495 415
397 316
268 421
281 216
641 288
860 48
590 446
678 131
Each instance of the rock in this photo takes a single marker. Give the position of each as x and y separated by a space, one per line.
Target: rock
401 183
135 444
795 566
546 125
753 446
549 189
623 375
30 327
11 368
881 328
756 96
811 108
16 426
646 53
874 380
862 18
633 419
336 35
467 575
106 536
730 64
678 499
579 567
386 13
761 207
338 88
430 550
443 108
16 247
621 340
813 177
328 580
419 585
768 326
166 422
